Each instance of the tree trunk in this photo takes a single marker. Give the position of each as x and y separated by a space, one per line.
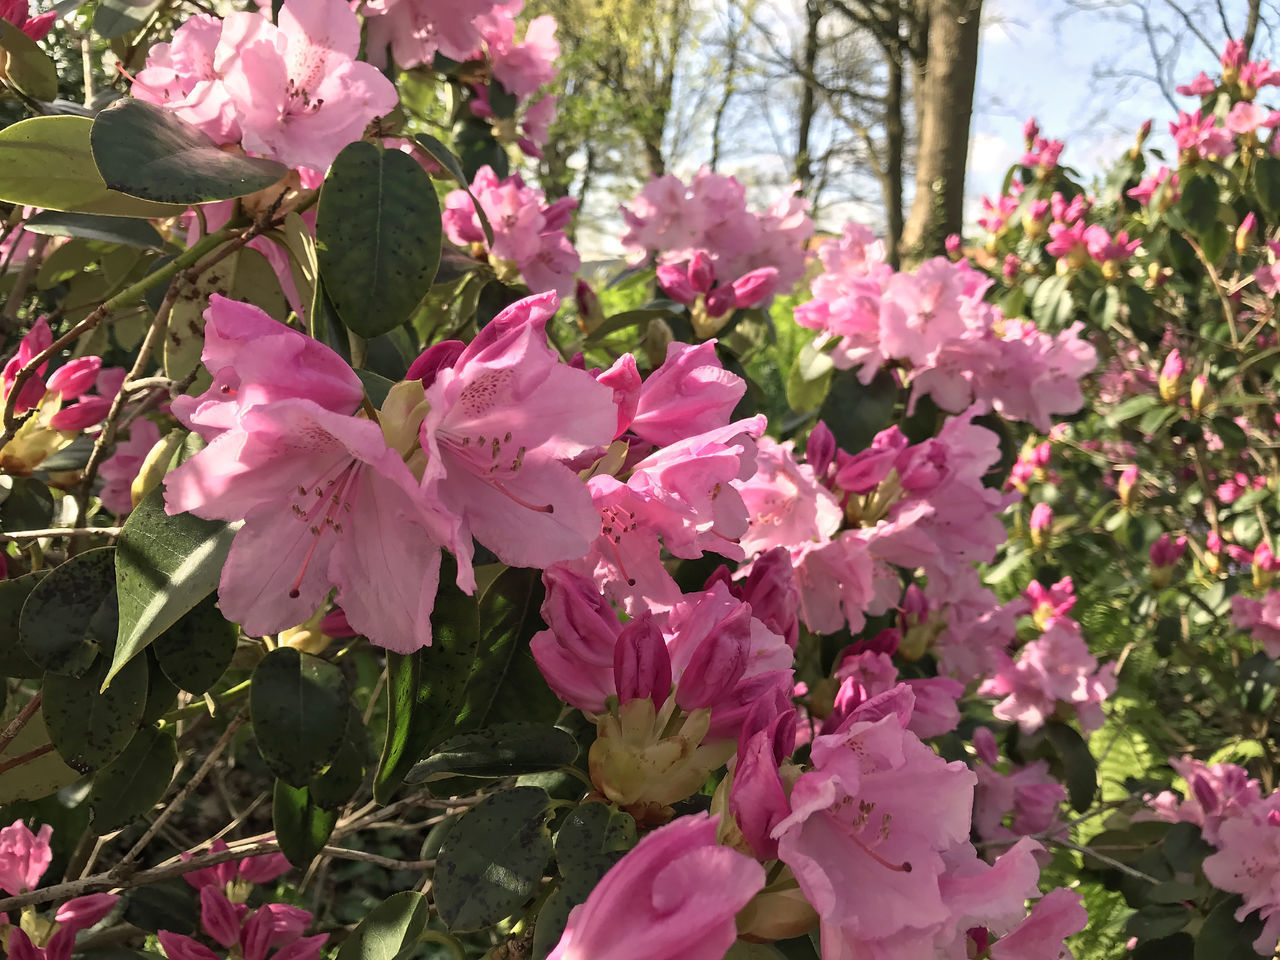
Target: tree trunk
808 100
946 107
1251 25
895 135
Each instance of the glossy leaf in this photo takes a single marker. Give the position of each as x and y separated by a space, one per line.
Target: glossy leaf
115 18
27 67
445 157
302 826
164 566
504 750
195 652
14 661
299 708
390 931
124 230
47 162
146 151
70 615
378 237
493 859
1079 764
90 726
132 783
344 776
1223 937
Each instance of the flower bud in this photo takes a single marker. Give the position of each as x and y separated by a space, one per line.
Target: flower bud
1170 381
1265 565
75 377
718 662
820 449
720 301
1030 131
702 272
1165 554
219 916
952 244
590 314
755 287
641 664
1127 484
1199 387
1041 524
674 281
1244 232
437 357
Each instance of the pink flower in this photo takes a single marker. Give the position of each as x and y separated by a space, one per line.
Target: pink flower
260 869
689 394
1261 618
1166 551
1246 863
1215 794
501 420
181 76
18 13
1147 186
786 505
120 469
415 29
1055 917
1041 517
1247 117
1103 248
523 67
297 89
38 339
1199 87
24 857
1050 604
673 897
1197 134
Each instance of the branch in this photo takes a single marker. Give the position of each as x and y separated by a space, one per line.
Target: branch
17 723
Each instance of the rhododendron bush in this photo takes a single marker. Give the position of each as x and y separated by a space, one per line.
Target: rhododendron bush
377 583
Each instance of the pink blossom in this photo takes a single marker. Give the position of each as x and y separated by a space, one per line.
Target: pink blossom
120 469
1261 618
1166 551
24 857
1215 794
673 897
785 503
1197 134
1246 863
299 94
1247 117
38 339
1050 604
181 76
258 869
1102 247
770 588
1201 86
1147 186
18 13
1055 917
522 67
689 394
415 29
1041 517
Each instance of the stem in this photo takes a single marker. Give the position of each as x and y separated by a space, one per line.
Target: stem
25 757
17 723
61 532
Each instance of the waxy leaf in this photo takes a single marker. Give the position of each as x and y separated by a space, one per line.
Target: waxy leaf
493 859
115 18
70 615
856 413
89 725
302 826
390 931
47 162
378 237
444 156
299 708
339 783
164 566
14 661
26 65
504 750
195 652
1080 767
1223 937
128 231
147 151
133 782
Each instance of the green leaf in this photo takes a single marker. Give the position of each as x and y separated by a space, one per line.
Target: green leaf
26 65
1199 203
195 652
1133 407
1081 769
856 413
66 618
640 317
809 379
339 783
376 386
477 147
37 777
390 931
47 162
299 708
378 237
164 566
25 504
132 783
1157 921
493 859
115 18
504 750
14 661
1266 180
146 151
128 231
302 826
424 689
445 157
90 726
1223 937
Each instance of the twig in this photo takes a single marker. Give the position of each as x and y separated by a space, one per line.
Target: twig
238 721
342 853
61 532
27 757
1109 861
17 723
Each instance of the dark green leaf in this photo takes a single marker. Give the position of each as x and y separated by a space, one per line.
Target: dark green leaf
493 859
171 905
27 504
14 661
1266 179
195 652
444 156
378 237
115 18
26 65
65 619
1158 921
1184 848
164 566
88 226
504 750
390 931
477 148
641 317
90 728
339 783
376 386
47 162
1223 937
856 413
301 825
1199 203
299 708
133 782
146 151
1180 946
1081 769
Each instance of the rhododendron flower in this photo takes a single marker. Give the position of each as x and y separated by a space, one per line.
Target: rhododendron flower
522 67
181 76
786 505
416 29
1028 792
1248 863
258 869
38 339
1198 135
1261 618
120 469
500 421
1055 917
673 897
689 394
1201 86
24 857
1216 793
18 13
298 91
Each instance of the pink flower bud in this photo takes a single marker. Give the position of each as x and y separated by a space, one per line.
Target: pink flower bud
178 947
81 913
308 948
922 468
720 301
702 272
437 357
641 664
219 917
1166 551
1126 484
588 305
576 654
718 662
557 215
820 449
674 281
1169 382
332 624
623 378
755 287
1244 232
1030 130
75 377
82 414
1265 559
773 594
1010 268
984 745
1144 131
24 857
1041 516
952 244
269 866
863 471
915 607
